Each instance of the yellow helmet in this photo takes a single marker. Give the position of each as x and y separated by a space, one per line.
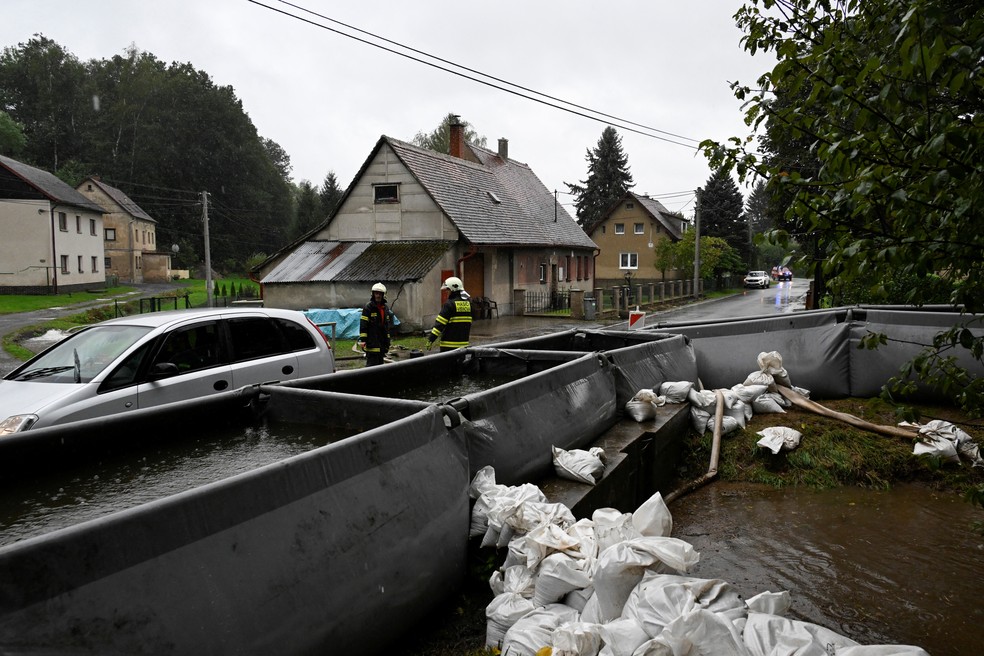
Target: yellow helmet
379 287
453 283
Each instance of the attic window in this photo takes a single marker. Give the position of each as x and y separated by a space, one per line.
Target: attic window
629 206
387 193
495 199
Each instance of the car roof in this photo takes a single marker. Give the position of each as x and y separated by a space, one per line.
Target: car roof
168 317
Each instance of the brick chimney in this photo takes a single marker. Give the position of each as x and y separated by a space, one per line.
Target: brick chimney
503 148
457 145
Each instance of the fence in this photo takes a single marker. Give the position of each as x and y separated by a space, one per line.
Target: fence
546 302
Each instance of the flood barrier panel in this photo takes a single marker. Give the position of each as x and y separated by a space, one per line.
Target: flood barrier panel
312 554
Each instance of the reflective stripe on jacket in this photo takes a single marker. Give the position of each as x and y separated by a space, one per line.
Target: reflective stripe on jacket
453 325
374 327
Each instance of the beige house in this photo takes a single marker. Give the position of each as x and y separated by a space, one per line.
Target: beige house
628 237
129 234
412 217
52 234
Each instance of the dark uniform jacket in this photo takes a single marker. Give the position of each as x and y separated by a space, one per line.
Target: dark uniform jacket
374 327
453 324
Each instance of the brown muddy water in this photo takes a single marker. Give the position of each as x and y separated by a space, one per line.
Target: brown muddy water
896 567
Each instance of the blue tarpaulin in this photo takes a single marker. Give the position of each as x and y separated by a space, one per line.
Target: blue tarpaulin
346 321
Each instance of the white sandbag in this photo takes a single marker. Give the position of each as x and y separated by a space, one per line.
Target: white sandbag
515 578
534 631
771 363
944 439
728 425
659 599
649 395
697 633
761 378
653 518
576 639
620 568
640 410
583 531
578 599
545 540
706 399
483 481
779 438
502 614
676 392
612 526
767 635
734 407
579 465
558 575
495 506
700 418
532 514
621 638
769 403
772 603
748 393
882 650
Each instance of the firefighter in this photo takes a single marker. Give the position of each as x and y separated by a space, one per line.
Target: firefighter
453 325
374 326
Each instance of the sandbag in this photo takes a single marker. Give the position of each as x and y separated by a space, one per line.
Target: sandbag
579 465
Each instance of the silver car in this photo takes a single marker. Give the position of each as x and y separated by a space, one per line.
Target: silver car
758 279
148 360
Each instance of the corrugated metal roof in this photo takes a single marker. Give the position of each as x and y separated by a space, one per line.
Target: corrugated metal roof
49 185
359 261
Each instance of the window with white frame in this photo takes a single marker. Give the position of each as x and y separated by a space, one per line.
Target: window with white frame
619 228
63 222
628 260
638 228
543 273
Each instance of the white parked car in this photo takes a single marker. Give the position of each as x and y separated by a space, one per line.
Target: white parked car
148 360
758 279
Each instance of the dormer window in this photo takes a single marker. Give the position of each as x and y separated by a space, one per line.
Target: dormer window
385 193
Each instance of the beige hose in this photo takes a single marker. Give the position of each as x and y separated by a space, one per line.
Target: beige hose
802 402
712 468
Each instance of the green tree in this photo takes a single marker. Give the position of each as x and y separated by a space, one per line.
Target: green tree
440 139
888 93
665 254
608 179
722 213
308 209
330 194
717 258
279 157
12 138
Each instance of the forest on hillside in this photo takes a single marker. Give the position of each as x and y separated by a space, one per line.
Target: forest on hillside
162 133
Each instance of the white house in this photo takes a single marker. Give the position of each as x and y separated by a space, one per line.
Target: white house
52 235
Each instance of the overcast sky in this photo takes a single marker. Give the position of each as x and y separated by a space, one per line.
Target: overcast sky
326 98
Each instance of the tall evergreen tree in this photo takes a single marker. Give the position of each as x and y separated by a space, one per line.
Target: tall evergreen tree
758 211
608 179
308 209
330 194
722 213
440 139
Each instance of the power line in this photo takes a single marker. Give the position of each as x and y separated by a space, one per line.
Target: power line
621 123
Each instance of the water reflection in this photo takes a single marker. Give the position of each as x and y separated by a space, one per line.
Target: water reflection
899 567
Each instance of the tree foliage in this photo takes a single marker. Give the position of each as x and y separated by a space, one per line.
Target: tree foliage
309 214
330 194
717 257
874 132
722 214
161 133
439 140
608 179
12 138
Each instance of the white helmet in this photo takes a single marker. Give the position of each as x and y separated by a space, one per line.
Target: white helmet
379 287
453 283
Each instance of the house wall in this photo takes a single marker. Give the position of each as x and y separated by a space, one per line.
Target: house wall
414 217
611 245
133 237
25 250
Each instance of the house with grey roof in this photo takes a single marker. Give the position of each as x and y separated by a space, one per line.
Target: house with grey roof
52 235
129 235
629 235
413 217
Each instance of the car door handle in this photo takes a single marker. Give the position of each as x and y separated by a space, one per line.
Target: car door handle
287 370
220 385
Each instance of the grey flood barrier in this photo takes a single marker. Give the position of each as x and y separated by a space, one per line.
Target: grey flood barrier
339 515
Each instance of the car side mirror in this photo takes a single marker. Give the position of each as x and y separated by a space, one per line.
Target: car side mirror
163 370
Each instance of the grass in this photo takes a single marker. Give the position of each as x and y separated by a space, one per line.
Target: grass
832 454
10 304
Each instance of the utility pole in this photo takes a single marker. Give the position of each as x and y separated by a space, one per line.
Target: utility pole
208 254
697 246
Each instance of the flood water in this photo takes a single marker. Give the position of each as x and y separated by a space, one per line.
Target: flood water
896 567
95 489
438 391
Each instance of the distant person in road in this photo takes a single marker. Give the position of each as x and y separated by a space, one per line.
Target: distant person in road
453 325
374 327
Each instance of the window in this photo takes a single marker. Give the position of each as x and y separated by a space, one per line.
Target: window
254 338
80 265
63 222
619 228
138 262
92 227
388 193
78 224
560 272
95 264
638 228
629 206
628 261
110 234
578 264
196 347
298 339
568 268
543 273
64 263
108 263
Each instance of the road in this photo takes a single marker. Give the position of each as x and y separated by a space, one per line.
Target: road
780 298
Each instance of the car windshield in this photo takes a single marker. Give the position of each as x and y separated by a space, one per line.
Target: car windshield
755 274
82 356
